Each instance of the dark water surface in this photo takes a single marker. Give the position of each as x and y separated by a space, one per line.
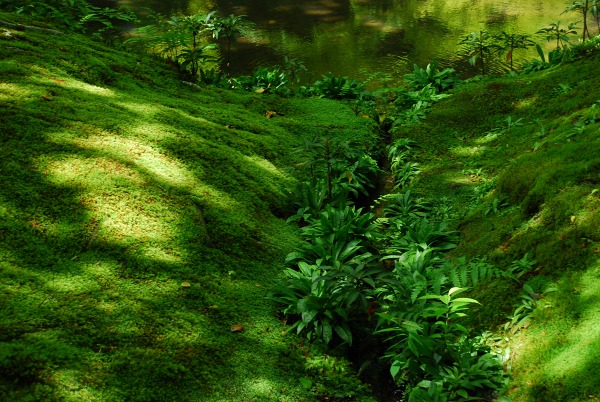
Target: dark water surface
359 37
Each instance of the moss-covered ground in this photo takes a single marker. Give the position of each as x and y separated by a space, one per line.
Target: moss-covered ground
141 218
519 158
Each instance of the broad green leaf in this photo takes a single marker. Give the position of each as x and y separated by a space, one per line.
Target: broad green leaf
308 316
344 333
455 290
395 369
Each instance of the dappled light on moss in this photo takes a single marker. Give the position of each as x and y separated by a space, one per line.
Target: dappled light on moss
82 86
526 103
9 90
145 109
141 219
468 151
266 165
564 350
146 158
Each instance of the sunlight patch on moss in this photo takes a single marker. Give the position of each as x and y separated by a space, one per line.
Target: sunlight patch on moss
160 255
535 222
264 164
585 336
526 103
91 173
463 151
486 139
150 161
126 222
146 158
72 284
9 92
92 89
259 387
143 109
152 131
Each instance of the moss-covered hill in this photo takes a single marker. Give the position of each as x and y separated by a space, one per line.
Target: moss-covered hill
140 218
519 157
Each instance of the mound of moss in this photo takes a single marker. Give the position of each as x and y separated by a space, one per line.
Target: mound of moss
142 221
519 158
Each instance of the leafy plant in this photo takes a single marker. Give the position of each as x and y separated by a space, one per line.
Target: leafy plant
400 147
503 126
413 106
507 43
472 273
311 198
406 207
337 87
228 28
518 268
495 206
479 46
317 300
294 69
433 344
423 235
333 378
192 58
340 223
324 294
555 57
430 75
563 89
264 80
403 171
348 171
524 310
584 7
78 14
554 32
404 174
181 40
211 76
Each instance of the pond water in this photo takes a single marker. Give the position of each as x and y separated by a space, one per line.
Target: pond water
356 38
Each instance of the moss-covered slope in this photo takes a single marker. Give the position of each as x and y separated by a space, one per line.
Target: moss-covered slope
520 159
140 218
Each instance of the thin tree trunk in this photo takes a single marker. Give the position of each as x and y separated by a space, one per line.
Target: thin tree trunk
585 14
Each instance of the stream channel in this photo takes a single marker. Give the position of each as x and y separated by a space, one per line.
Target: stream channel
357 38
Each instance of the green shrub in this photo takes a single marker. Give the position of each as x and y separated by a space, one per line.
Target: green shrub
430 75
264 80
336 87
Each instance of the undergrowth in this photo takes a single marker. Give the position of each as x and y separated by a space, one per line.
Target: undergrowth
516 157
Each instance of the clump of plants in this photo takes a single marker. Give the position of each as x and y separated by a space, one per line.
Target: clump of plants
353 266
77 15
189 42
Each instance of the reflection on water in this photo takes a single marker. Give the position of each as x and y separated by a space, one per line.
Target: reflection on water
360 37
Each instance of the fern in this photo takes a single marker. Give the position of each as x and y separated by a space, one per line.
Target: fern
463 274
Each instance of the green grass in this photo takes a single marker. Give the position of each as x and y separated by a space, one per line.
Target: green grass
120 184
544 176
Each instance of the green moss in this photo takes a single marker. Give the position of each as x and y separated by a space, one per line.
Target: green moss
545 172
120 184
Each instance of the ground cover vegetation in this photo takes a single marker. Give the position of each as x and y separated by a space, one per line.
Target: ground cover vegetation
142 221
444 232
